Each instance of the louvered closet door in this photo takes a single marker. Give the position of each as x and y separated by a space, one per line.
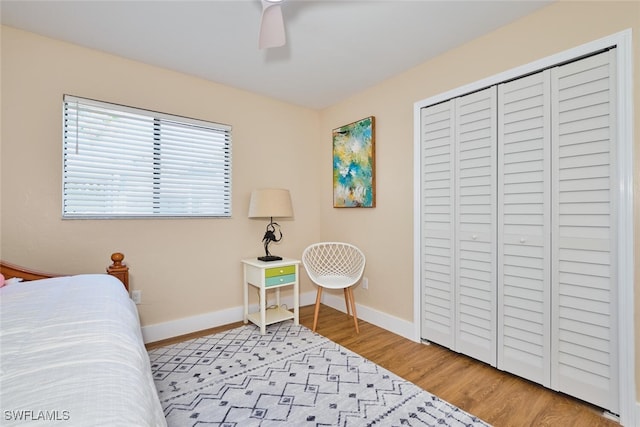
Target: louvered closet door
584 260
524 199
475 260
437 273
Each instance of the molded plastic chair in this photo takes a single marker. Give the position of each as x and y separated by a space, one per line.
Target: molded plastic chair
334 265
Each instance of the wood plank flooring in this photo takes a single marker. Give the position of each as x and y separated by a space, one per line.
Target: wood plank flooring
499 398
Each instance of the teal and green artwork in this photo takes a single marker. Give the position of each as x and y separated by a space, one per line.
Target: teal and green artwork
354 165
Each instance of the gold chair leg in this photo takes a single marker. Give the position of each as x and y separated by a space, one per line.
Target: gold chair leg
346 301
315 314
353 309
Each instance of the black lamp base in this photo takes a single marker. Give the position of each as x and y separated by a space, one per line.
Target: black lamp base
270 258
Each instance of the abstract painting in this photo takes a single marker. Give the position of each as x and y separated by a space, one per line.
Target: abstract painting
354 165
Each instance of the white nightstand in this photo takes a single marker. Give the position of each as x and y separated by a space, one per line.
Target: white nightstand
271 275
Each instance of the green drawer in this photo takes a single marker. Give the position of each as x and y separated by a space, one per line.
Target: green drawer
280 271
279 280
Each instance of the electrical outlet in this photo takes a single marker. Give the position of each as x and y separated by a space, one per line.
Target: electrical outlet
365 283
136 296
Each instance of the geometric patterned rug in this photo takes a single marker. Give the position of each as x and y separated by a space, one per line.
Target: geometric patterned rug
289 376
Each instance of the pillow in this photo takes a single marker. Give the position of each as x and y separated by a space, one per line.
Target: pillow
5 282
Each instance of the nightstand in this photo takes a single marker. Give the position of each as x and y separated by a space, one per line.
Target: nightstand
266 276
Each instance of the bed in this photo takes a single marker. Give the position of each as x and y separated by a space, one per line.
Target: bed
71 351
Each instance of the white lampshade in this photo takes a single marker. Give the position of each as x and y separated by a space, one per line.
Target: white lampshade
270 203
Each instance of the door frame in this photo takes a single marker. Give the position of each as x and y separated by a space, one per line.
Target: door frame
625 251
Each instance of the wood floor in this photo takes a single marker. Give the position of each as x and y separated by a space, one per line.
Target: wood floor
498 398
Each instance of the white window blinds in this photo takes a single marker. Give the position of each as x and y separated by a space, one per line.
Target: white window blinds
123 162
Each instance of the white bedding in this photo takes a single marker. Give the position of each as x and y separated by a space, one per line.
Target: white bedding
71 353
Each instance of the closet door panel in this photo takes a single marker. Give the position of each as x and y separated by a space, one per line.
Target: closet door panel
519 260
437 273
584 181
523 227
475 225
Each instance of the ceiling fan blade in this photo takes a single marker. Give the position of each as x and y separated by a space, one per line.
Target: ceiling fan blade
271 26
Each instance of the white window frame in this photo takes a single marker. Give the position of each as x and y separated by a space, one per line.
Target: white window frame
126 162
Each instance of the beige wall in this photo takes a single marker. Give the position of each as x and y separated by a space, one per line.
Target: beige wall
190 267
183 267
386 232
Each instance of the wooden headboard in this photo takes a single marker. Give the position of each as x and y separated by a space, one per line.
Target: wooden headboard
117 269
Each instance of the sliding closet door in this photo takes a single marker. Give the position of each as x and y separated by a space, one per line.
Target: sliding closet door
437 198
584 300
475 225
524 199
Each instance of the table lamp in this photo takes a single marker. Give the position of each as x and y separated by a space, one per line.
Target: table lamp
270 203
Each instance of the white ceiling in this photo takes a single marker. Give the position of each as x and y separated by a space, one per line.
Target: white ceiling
334 48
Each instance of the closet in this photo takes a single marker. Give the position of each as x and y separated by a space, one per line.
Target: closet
518 232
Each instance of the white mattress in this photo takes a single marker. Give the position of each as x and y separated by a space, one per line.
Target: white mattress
71 353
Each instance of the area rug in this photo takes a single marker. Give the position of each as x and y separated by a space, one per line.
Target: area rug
289 376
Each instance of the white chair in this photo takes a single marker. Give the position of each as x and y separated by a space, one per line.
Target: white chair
334 265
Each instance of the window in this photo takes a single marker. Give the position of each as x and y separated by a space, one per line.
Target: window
123 162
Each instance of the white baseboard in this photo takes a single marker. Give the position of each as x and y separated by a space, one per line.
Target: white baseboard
187 325
386 321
